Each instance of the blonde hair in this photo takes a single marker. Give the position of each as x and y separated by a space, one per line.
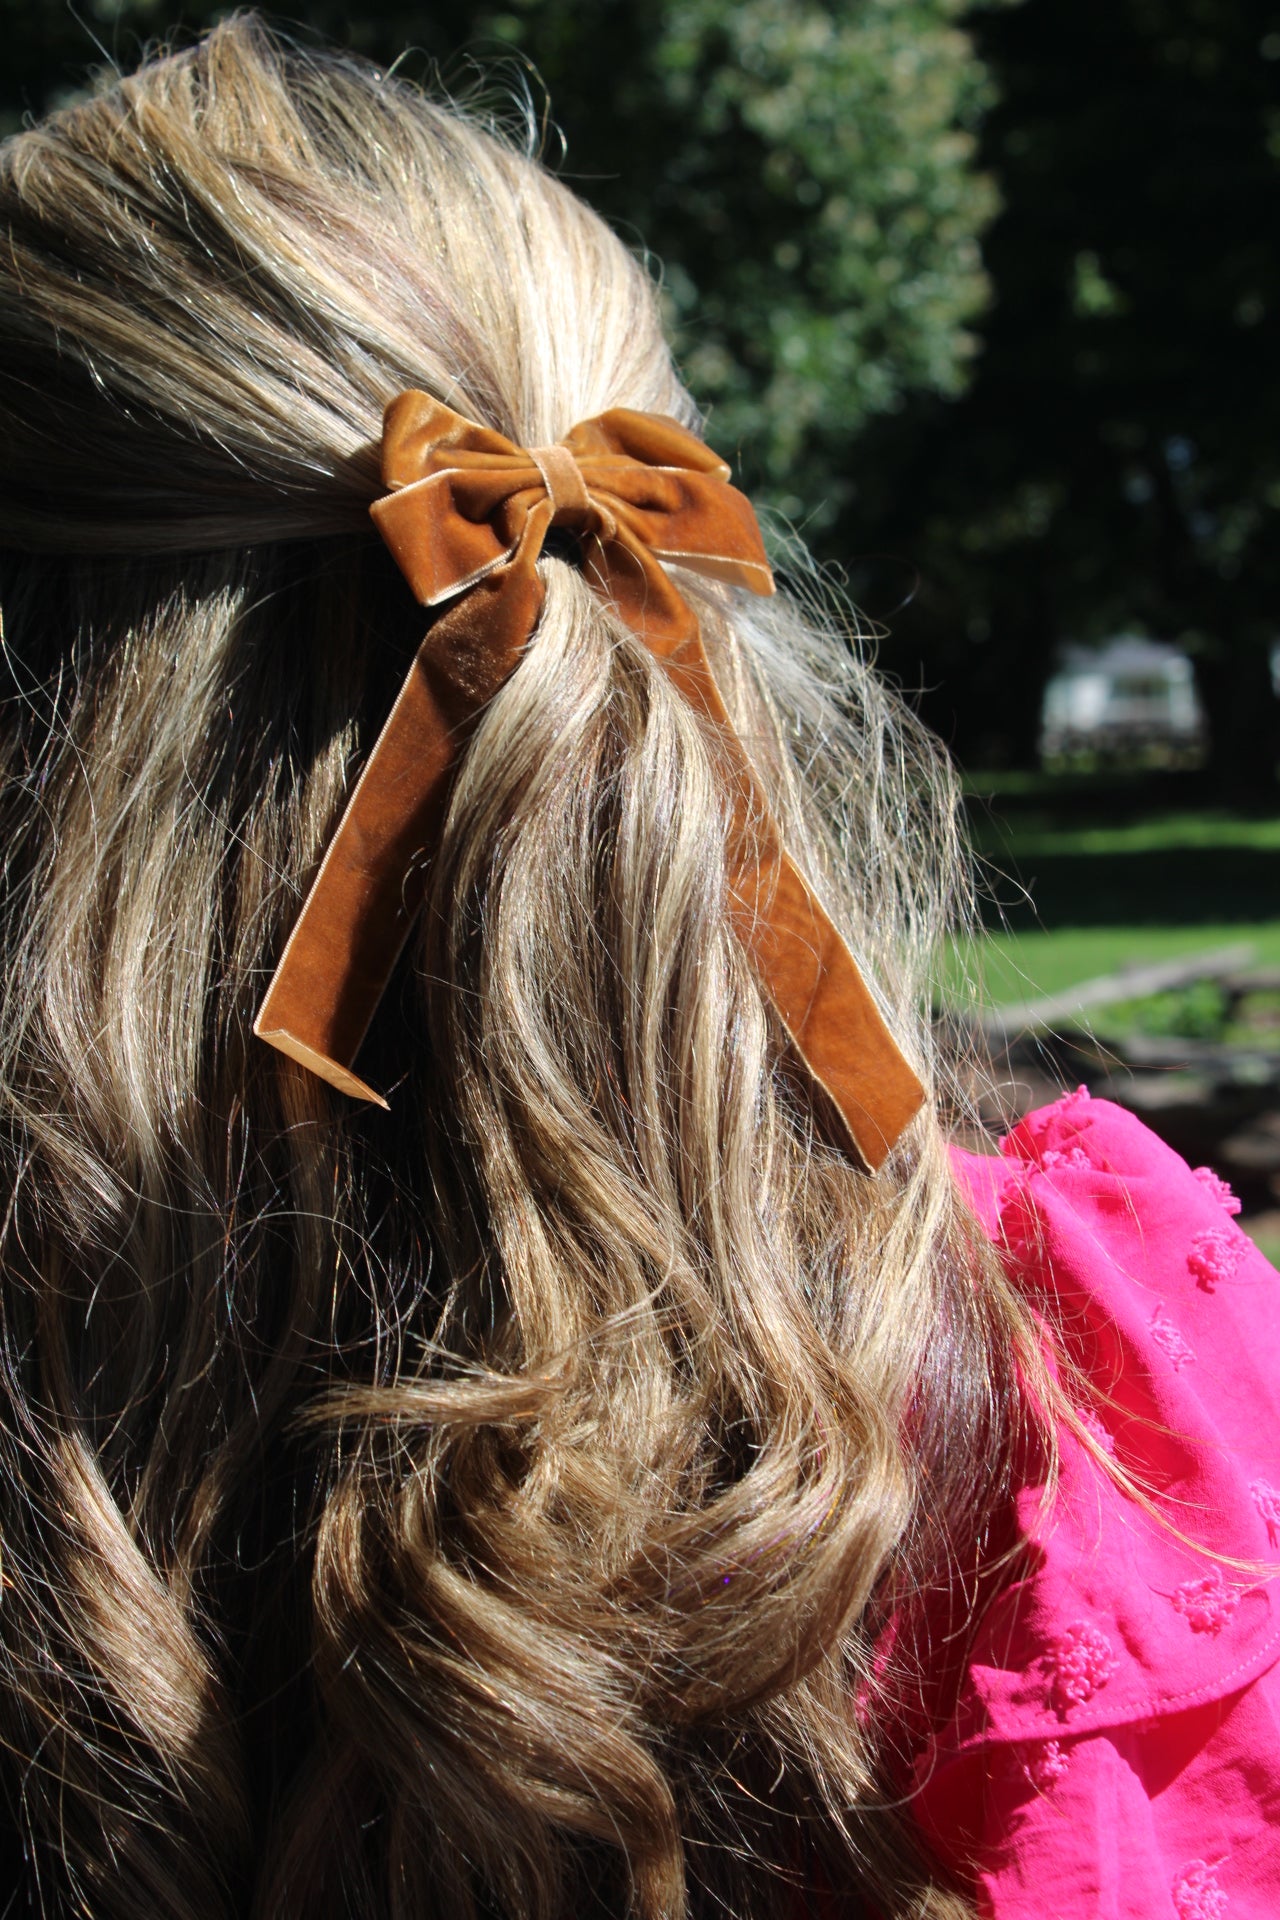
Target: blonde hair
523 1504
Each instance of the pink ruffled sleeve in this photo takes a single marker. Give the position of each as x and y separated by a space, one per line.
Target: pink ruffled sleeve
1116 1749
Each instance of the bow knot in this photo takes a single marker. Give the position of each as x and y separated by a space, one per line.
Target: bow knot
571 504
465 515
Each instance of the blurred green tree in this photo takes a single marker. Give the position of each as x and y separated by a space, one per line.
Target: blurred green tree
803 170
1116 462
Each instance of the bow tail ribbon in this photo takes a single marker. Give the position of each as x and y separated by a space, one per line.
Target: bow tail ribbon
372 880
466 521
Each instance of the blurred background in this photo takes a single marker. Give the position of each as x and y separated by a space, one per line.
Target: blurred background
986 301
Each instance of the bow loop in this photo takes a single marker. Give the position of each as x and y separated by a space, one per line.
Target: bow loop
465 516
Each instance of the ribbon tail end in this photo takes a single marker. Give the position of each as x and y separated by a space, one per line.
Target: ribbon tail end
320 1064
876 1134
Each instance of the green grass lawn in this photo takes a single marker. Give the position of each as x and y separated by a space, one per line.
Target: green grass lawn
1036 833
1005 967
1267 1241
1084 877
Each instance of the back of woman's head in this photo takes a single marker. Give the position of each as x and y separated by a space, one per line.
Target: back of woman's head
497 1506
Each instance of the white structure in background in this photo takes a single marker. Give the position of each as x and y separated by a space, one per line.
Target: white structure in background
1130 699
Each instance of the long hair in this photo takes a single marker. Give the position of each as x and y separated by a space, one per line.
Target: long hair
525 1503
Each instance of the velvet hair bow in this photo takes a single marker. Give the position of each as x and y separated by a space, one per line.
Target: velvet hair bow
465 515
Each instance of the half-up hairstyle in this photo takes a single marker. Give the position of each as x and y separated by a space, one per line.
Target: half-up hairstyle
520 1505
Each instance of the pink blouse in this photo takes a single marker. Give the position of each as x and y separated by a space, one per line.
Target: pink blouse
1116 1751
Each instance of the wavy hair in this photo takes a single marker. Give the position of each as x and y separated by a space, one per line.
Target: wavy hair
525 1504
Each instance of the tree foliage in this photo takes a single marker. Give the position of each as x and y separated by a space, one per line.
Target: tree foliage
1116 463
830 150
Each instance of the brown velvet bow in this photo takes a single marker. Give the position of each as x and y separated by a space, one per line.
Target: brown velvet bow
466 516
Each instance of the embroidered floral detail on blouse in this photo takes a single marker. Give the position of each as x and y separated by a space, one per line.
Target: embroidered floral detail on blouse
1266 1499
1217 1189
1014 1149
1215 1254
1207 1603
1012 1187
1094 1428
1169 1340
1196 1893
1047 1765
1081 1660
1064 1157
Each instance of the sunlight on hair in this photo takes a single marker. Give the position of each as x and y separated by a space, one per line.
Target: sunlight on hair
496 1507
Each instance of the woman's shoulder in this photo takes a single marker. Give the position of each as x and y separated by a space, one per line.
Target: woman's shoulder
1162 1303
1119 1696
